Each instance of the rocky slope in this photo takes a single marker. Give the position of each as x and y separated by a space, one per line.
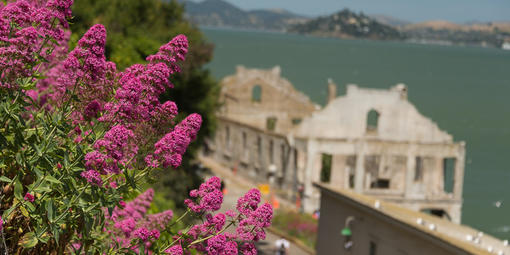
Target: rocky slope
348 24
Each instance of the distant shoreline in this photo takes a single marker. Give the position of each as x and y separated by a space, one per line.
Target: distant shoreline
412 41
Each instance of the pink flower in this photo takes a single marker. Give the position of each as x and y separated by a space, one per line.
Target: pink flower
127 226
142 233
249 202
248 249
172 146
216 245
92 177
113 185
151 162
155 234
217 222
174 250
231 248
29 197
209 196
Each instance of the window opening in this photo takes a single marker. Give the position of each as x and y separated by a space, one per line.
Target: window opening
256 93
448 174
372 121
326 167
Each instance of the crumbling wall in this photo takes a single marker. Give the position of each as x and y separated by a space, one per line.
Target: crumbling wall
263 99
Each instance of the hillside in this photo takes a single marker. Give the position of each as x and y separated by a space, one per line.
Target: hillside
347 24
219 13
389 20
482 34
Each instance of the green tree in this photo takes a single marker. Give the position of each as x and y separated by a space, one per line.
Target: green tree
136 28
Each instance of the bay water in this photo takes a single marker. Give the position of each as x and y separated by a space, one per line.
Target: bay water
465 90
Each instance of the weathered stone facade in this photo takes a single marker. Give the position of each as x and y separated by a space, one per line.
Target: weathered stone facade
262 98
372 141
399 155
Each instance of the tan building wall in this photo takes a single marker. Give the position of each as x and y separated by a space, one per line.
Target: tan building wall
260 155
253 96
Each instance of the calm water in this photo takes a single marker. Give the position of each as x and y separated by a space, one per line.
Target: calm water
465 90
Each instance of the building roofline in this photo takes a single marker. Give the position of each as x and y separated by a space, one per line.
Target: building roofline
375 139
407 219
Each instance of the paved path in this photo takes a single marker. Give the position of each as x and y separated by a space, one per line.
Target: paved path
236 187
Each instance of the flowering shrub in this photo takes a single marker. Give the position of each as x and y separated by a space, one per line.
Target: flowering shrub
299 225
71 126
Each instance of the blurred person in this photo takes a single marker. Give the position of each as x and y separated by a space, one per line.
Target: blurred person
282 246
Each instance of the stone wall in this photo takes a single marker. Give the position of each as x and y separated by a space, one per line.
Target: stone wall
258 97
262 156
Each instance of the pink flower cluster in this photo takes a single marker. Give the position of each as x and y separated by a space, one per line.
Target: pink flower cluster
209 196
29 197
141 85
93 177
251 221
117 147
132 222
28 31
172 146
252 218
87 74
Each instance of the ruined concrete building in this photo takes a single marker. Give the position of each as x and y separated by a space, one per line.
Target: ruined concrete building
372 141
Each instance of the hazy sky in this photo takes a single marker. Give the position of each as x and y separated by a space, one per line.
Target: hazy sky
412 10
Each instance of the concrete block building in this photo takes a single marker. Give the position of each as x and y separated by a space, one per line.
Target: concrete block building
353 223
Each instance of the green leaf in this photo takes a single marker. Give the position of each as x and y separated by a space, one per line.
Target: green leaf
42 189
29 240
18 190
24 211
9 211
28 86
52 179
50 209
142 249
30 207
56 232
5 179
44 238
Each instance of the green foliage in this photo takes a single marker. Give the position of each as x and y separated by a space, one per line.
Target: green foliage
38 157
326 167
299 225
136 28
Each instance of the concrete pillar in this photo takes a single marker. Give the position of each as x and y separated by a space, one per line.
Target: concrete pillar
360 167
311 150
411 164
455 212
459 171
339 177
331 90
